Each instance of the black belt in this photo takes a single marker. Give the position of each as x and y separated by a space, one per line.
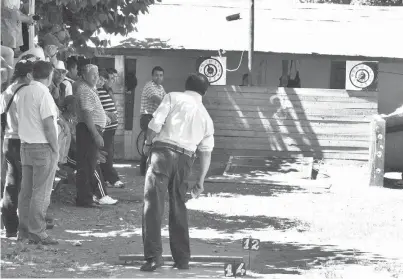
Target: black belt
174 148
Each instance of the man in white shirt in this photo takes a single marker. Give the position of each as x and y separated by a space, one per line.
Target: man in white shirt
37 129
181 126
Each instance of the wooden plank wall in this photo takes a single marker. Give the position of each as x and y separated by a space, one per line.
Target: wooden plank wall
260 121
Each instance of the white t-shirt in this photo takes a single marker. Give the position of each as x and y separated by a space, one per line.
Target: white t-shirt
34 104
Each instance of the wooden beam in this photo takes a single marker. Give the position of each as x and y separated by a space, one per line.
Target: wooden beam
377 151
200 259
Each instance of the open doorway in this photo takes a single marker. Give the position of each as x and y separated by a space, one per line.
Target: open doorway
130 90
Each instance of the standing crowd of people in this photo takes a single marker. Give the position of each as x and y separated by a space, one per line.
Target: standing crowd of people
59 120
55 122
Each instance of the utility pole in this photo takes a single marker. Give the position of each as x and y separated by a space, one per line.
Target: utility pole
32 26
251 41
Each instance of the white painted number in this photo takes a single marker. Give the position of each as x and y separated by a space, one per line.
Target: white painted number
241 270
255 244
228 271
246 243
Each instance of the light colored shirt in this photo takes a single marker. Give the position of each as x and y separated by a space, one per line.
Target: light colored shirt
88 100
11 131
150 89
182 120
34 104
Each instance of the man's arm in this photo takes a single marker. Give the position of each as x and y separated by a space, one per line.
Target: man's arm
159 117
90 123
205 161
397 112
50 133
204 151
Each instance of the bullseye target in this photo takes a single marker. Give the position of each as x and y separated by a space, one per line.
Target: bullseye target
214 69
361 75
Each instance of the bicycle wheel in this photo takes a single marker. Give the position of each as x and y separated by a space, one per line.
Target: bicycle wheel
141 138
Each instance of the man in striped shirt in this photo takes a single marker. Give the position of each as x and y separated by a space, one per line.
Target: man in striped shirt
105 93
151 98
89 138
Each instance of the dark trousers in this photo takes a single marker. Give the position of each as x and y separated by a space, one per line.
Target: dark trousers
12 185
109 172
87 157
144 121
99 185
167 170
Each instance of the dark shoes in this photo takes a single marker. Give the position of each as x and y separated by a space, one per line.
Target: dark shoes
182 266
152 264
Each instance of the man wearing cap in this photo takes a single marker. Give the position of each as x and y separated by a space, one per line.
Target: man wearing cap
181 126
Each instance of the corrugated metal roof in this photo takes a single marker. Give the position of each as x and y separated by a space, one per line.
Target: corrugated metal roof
300 29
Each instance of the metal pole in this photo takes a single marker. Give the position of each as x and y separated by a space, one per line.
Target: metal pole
251 41
31 27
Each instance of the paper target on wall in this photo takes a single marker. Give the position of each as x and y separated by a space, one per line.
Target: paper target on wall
214 68
362 76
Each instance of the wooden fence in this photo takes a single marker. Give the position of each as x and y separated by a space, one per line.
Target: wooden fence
260 121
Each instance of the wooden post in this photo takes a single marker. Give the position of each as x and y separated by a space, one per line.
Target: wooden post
31 27
251 41
377 151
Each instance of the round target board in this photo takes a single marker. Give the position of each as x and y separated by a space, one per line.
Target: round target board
362 75
212 69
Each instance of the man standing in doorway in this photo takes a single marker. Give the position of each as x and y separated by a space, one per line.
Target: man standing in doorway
105 93
151 98
37 129
181 127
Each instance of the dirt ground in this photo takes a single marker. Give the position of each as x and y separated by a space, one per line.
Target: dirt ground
347 231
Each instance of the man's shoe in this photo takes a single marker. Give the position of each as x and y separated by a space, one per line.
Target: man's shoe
107 200
152 265
181 266
45 241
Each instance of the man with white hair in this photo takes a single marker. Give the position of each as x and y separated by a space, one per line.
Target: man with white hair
89 130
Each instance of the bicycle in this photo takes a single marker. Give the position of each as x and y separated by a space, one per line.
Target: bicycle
141 139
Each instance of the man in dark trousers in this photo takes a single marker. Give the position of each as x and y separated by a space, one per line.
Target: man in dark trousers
181 126
151 97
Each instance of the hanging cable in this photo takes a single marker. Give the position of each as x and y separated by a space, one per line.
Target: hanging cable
240 62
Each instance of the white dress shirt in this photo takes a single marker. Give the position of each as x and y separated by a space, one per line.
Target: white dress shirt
182 120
